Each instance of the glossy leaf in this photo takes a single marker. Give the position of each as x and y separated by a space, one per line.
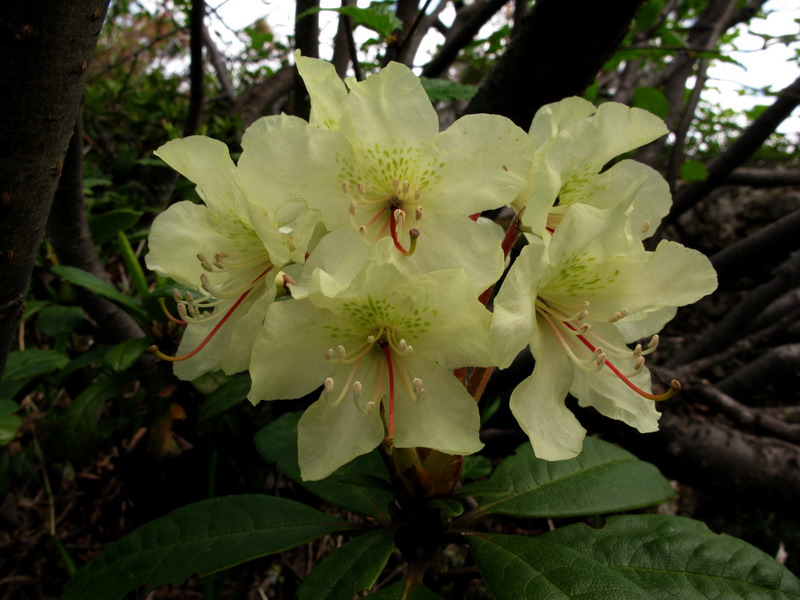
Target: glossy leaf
9 422
24 365
105 226
201 538
80 421
397 591
352 568
633 557
602 479
229 394
123 356
693 170
98 286
59 319
362 485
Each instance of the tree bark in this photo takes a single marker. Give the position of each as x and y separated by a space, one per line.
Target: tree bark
45 51
559 50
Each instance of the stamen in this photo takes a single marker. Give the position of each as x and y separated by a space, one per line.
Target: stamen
329 385
346 187
418 212
645 226
204 263
176 293
362 189
154 348
163 303
388 354
395 184
357 389
354 208
417 194
419 391
620 314
341 350
329 353
406 187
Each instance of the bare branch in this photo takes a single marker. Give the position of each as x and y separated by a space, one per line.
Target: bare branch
342 53
196 70
773 242
763 177
749 379
468 22
752 138
730 327
218 62
306 39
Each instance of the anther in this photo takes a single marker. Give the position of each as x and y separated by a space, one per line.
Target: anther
585 304
417 194
418 389
342 352
582 315
189 296
176 293
637 351
362 189
353 208
395 183
329 353
363 230
620 314
406 187
204 263
329 385
653 343
346 187
399 216
370 339
357 389
638 364
402 346
409 350
645 226
418 212
584 328
600 360
370 405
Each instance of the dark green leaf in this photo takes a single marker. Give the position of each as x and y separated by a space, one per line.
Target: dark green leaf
693 170
396 591
80 421
649 14
443 90
98 286
449 507
633 556
132 264
362 485
59 319
83 360
475 467
225 397
602 479
9 422
201 538
24 365
352 568
652 100
104 227
122 356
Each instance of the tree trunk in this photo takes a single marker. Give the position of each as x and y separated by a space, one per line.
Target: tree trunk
45 51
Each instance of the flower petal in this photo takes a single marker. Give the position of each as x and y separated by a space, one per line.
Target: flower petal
328 92
538 402
208 164
445 418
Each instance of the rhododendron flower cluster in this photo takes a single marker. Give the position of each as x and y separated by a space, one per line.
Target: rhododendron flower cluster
346 254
